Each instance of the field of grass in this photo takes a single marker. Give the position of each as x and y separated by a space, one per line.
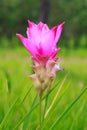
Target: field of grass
19 107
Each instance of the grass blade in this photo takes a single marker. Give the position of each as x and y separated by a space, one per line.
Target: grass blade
3 123
45 107
53 110
59 89
27 119
67 110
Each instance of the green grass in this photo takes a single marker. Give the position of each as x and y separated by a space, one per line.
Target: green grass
67 100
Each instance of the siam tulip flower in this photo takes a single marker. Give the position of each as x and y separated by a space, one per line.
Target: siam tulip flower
41 42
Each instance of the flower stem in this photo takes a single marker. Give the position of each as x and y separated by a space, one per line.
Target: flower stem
40 109
45 107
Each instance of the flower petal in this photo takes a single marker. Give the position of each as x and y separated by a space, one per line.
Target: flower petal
34 34
37 32
43 28
31 24
54 52
57 32
47 43
28 44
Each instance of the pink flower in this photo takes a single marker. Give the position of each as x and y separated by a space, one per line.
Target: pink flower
41 41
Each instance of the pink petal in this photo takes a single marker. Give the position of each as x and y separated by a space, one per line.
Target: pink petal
40 49
43 27
57 32
47 43
28 44
34 34
31 24
39 59
40 25
44 43
37 32
27 32
54 53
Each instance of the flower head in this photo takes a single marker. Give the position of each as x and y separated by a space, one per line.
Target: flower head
41 42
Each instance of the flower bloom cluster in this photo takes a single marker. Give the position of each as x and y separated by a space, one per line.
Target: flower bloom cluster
41 42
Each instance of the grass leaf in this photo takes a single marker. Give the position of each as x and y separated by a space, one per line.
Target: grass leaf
54 108
27 119
67 110
3 123
59 89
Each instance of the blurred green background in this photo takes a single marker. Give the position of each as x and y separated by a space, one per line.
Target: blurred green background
15 13
15 62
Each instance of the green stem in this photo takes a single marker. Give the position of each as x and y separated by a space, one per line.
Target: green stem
45 107
40 114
